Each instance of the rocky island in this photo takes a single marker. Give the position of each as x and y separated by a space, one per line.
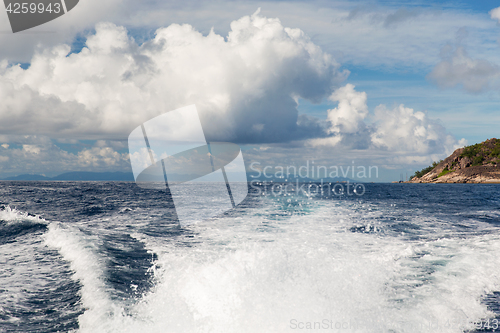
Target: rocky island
479 163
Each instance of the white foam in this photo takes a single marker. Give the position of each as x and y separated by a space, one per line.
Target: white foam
80 251
268 271
11 215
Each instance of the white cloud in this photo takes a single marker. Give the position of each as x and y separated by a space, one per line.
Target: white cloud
38 154
246 83
362 32
97 157
20 46
410 135
350 112
111 143
328 142
31 149
366 33
495 14
458 69
403 130
472 73
345 123
244 86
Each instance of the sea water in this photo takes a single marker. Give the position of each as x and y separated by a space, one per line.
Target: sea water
111 257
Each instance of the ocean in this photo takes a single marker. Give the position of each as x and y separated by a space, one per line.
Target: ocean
111 257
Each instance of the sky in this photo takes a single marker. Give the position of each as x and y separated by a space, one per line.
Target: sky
392 84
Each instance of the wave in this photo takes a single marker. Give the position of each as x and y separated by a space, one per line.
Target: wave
80 250
14 223
270 265
12 215
256 273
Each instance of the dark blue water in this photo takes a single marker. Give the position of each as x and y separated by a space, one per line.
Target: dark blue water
111 257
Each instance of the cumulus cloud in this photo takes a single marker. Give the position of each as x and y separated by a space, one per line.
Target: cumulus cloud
404 130
245 85
410 134
346 121
98 157
495 14
19 47
349 113
458 69
355 41
38 154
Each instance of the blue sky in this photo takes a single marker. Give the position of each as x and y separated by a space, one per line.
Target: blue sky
396 84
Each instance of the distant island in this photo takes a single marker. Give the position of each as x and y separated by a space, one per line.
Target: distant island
129 177
78 176
479 163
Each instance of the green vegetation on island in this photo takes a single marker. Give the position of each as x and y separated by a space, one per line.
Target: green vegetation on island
472 164
444 172
480 152
425 170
